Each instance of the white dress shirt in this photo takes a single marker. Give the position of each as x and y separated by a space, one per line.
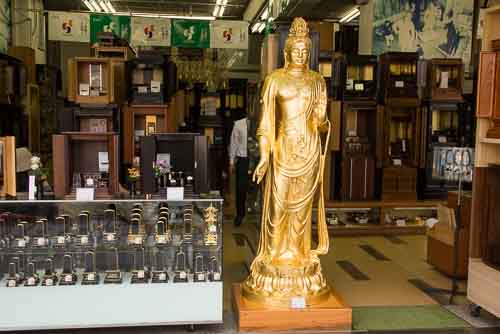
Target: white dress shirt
238 145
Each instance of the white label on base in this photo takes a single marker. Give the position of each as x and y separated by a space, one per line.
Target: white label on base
140 274
401 222
298 303
40 242
162 277
201 277
60 240
212 229
400 84
68 278
84 240
442 139
216 276
21 243
49 282
142 89
397 162
31 281
11 283
182 275
84 89
162 239
359 87
84 194
155 86
91 277
138 240
110 237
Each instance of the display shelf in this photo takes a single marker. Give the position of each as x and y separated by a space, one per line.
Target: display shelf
489 141
376 229
110 255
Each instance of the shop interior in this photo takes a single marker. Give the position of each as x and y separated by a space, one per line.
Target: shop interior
126 190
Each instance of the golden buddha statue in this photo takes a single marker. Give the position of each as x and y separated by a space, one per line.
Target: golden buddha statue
292 124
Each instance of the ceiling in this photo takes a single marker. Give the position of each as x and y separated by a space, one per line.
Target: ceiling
317 9
234 8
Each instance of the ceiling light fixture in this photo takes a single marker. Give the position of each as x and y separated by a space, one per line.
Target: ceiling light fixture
265 14
255 27
216 11
262 26
96 6
351 15
166 16
110 6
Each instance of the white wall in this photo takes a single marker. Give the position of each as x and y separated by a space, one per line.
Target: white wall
29 27
4 25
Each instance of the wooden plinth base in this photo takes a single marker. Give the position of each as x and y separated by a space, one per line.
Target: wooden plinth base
332 315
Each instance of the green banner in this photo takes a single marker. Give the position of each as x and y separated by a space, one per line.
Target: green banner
120 25
191 34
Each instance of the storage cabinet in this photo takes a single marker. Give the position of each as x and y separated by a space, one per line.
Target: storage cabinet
445 79
85 160
399 183
8 166
488 102
94 81
355 77
143 120
398 77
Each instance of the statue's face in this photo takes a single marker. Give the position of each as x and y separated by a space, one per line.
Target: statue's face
299 54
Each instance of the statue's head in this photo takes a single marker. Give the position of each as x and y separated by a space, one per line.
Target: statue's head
298 45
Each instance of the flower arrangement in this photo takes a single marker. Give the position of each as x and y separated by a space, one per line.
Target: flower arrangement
133 174
161 168
37 168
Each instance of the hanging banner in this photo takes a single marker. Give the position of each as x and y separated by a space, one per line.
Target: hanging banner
191 34
148 31
69 27
229 35
119 25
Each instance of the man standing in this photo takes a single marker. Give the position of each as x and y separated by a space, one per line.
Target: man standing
238 159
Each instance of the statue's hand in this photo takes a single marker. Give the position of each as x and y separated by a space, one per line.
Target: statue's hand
260 170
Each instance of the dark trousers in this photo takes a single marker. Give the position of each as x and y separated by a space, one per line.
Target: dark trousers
241 186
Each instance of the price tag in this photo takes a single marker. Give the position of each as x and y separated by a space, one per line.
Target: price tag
31 187
142 89
397 162
175 193
103 162
162 239
445 77
91 277
84 194
401 222
84 240
140 274
359 87
182 275
400 84
298 303
49 282
201 277
31 281
89 182
442 139
138 240
162 277
68 278
216 276
110 237
61 240
84 89
212 229
11 283
40 242
155 86
350 84
21 243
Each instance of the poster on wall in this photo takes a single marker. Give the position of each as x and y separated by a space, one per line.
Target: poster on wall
4 25
433 28
190 34
69 27
148 31
229 35
119 25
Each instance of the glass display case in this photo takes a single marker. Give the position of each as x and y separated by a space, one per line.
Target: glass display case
110 256
398 76
355 77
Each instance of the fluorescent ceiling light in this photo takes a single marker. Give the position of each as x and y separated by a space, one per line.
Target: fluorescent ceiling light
222 9
89 6
224 2
104 6
94 4
167 16
255 27
354 13
216 11
262 26
219 2
110 6
265 14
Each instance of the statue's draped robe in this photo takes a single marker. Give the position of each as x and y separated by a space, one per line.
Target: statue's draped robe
290 122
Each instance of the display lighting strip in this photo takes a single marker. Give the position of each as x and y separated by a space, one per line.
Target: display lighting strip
100 6
165 16
220 7
354 13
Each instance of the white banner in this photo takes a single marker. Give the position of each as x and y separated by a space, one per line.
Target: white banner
229 35
69 27
150 31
